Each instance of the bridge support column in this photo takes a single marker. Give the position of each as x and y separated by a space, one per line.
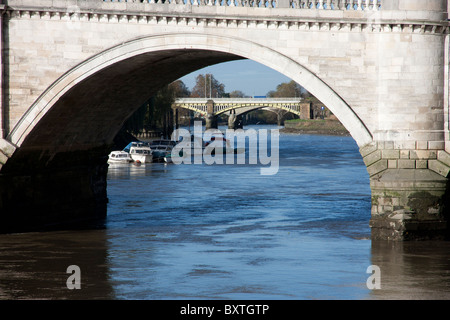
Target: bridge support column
239 123
410 192
232 120
211 118
211 121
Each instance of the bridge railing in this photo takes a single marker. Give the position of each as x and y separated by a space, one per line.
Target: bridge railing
296 4
238 100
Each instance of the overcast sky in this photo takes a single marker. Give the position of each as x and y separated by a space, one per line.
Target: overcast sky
250 77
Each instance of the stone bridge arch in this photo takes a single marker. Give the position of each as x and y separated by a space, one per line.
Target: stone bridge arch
176 48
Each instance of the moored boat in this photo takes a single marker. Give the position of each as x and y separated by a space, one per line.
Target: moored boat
140 151
116 157
161 148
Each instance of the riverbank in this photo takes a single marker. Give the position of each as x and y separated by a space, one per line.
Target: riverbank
316 126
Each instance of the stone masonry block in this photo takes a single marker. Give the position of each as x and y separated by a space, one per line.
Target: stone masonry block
392 164
404 154
436 145
421 145
368 149
405 145
372 158
422 154
385 201
389 145
374 210
390 154
6 148
439 167
443 157
406 164
377 167
421 164
3 158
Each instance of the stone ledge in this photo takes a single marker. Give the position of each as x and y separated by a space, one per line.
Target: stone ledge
408 179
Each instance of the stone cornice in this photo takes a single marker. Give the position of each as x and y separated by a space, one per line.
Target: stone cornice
221 18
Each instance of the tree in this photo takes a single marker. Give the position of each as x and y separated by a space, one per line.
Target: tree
237 94
207 86
179 89
287 90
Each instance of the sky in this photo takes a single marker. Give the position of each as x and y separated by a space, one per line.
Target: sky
250 77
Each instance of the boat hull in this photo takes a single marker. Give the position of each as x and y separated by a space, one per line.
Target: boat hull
142 158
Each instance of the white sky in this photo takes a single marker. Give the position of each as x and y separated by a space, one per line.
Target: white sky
250 77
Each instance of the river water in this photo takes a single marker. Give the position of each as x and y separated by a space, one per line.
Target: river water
227 232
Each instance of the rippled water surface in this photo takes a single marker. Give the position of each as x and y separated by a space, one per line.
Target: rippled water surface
227 232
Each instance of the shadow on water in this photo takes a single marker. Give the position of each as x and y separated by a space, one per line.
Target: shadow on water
34 265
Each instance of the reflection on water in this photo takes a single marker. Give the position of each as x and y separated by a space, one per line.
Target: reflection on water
226 232
34 265
412 270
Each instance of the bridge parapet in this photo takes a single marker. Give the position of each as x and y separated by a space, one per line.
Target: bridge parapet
300 4
380 15
417 16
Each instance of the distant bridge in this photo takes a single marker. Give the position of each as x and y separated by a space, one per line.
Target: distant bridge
235 107
219 106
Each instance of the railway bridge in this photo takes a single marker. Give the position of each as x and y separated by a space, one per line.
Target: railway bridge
236 107
73 70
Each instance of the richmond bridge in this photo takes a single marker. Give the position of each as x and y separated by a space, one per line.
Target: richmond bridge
73 70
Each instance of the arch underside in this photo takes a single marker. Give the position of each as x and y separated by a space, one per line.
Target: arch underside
89 114
86 113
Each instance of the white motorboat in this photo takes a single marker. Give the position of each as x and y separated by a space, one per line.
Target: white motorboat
140 152
116 157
